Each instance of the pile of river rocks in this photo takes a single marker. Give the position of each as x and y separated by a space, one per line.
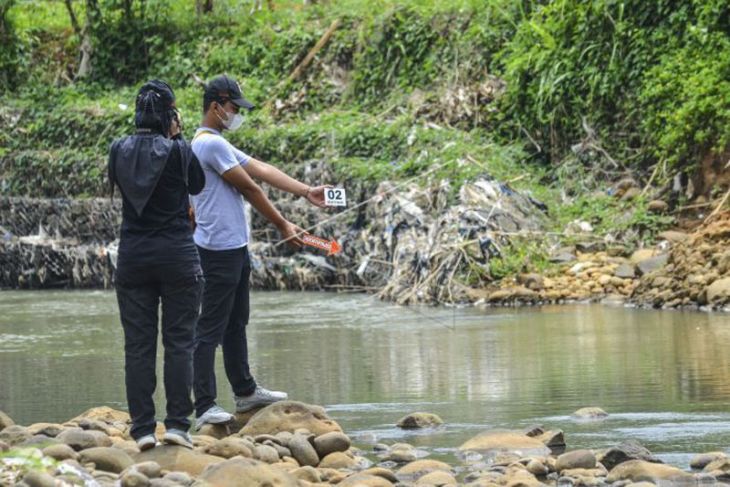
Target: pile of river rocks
681 271
295 444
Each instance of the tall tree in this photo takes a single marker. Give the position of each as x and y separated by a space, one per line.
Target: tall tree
86 49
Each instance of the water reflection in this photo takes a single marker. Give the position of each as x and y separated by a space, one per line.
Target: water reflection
61 352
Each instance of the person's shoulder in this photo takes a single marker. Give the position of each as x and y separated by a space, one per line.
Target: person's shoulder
207 143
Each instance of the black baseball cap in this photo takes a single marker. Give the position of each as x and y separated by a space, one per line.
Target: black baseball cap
223 88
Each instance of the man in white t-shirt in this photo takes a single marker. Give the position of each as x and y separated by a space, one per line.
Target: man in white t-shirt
222 237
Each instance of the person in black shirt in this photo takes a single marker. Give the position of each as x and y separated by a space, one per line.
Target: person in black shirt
158 262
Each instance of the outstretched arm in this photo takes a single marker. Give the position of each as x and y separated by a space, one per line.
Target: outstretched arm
255 195
280 180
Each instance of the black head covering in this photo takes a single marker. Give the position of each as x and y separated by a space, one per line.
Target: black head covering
155 107
136 162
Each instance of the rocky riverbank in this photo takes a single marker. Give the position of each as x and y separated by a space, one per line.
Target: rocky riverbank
409 244
296 444
683 270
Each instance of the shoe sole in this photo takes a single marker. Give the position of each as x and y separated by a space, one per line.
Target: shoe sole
147 446
257 405
177 442
227 421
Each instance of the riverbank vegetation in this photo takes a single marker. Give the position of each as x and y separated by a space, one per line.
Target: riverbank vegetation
562 99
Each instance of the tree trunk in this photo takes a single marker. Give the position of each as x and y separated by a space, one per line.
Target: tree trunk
72 16
93 16
203 6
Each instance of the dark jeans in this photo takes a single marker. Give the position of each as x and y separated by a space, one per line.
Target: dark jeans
140 290
223 320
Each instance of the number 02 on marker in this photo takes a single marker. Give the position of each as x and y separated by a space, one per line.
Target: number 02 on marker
335 197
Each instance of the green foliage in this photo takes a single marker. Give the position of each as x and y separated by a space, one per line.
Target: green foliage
572 60
398 47
686 99
520 255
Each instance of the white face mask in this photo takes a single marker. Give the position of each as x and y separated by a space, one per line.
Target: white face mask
232 121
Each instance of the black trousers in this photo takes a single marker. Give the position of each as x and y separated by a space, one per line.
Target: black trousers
140 291
223 320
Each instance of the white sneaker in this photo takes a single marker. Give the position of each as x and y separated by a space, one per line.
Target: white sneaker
178 437
260 397
146 442
214 415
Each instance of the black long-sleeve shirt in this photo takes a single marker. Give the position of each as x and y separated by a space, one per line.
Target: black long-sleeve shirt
155 176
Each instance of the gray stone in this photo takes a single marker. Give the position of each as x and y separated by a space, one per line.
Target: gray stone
576 459
14 434
307 473
266 453
639 470
563 255
658 206
181 478
303 451
281 450
263 438
229 448
38 479
625 271
628 450
5 421
719 291
537 468
420 420
47 429
699 462
178 458
134 478
78 439
60 452
166 483
149 469
590 413
290 416
339 460
652 264
331 442
106 458
244 472
284 437
39 441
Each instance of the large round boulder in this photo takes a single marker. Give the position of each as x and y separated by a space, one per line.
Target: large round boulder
290 416
246 471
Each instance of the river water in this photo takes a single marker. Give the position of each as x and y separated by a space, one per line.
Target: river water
663 376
